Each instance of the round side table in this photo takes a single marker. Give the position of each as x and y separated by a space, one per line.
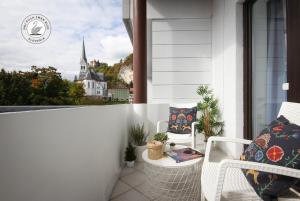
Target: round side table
173 181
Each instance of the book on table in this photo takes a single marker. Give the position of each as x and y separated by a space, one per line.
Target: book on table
185 154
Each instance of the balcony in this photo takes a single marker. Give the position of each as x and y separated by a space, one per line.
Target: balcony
72 153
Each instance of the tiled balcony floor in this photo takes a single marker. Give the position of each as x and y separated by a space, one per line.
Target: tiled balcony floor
132 185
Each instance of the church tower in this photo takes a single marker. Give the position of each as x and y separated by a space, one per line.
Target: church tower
83 60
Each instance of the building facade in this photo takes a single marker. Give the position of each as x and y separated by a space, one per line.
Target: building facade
93 82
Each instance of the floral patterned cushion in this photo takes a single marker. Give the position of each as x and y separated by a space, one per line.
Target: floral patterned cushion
181 119
277 144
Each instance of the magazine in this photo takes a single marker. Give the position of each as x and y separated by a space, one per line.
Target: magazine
185 154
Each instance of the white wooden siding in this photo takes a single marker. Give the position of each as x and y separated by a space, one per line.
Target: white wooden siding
182 24
175 78
181 58
181 64
179 51
179 37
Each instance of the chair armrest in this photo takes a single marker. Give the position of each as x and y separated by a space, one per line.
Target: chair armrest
230 163
158 124
194 134
275 169
222 139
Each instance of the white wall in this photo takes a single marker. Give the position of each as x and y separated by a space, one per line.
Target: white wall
179 49
70 154
227 57
224 71
181 59
62 155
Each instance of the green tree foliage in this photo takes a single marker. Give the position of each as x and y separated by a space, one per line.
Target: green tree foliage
112 72
40 86
15 88
76 92
49 88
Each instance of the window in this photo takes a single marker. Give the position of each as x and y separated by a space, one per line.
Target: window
93 85
88 84
271 61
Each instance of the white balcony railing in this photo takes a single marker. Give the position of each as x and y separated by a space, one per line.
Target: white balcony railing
67 154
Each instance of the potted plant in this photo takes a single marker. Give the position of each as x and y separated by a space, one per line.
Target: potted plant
172 146
209 121
138 136
130 155
161 137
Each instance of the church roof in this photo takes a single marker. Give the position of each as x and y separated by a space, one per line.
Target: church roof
91 75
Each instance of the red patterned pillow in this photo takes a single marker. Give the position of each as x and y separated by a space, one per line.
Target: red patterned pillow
277 144
181 119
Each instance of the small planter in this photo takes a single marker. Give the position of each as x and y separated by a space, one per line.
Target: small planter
130 164
172 146
139 152
155 150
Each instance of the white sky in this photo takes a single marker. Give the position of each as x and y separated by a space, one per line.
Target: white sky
99 21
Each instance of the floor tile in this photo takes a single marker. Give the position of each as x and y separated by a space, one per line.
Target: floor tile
146 190
131 195
139 166
135 178
120 188
126 171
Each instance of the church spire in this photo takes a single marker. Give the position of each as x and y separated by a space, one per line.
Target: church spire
83 56
83 60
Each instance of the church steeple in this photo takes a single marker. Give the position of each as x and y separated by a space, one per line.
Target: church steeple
83 60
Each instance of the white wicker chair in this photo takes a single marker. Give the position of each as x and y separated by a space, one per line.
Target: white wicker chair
225 181
180 138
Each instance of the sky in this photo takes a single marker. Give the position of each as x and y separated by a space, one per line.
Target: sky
98 21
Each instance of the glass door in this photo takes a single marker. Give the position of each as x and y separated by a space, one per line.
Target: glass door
269 61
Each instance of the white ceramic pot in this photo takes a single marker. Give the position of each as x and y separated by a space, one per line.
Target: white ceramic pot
130 164
139 152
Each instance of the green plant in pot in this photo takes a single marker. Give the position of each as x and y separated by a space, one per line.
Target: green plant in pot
138 136
172 145
209 121
161 137
130 155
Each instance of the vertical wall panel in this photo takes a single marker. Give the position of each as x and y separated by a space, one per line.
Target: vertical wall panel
181 58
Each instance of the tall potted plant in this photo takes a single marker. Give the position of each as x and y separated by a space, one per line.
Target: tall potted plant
138 136
210 123
130 155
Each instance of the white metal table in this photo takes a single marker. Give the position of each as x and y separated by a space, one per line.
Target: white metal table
173 181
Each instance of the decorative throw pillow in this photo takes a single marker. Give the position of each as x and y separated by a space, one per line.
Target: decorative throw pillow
277 144
181 119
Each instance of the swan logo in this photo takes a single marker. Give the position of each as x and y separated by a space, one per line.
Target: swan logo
36 29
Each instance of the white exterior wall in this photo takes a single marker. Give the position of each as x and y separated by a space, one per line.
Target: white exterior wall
73 154
100 87
66 154
179 49
227 62
209 34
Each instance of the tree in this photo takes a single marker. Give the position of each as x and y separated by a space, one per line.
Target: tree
76 91
15 88
48 87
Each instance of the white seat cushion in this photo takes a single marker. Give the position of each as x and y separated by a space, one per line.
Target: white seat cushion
179 138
